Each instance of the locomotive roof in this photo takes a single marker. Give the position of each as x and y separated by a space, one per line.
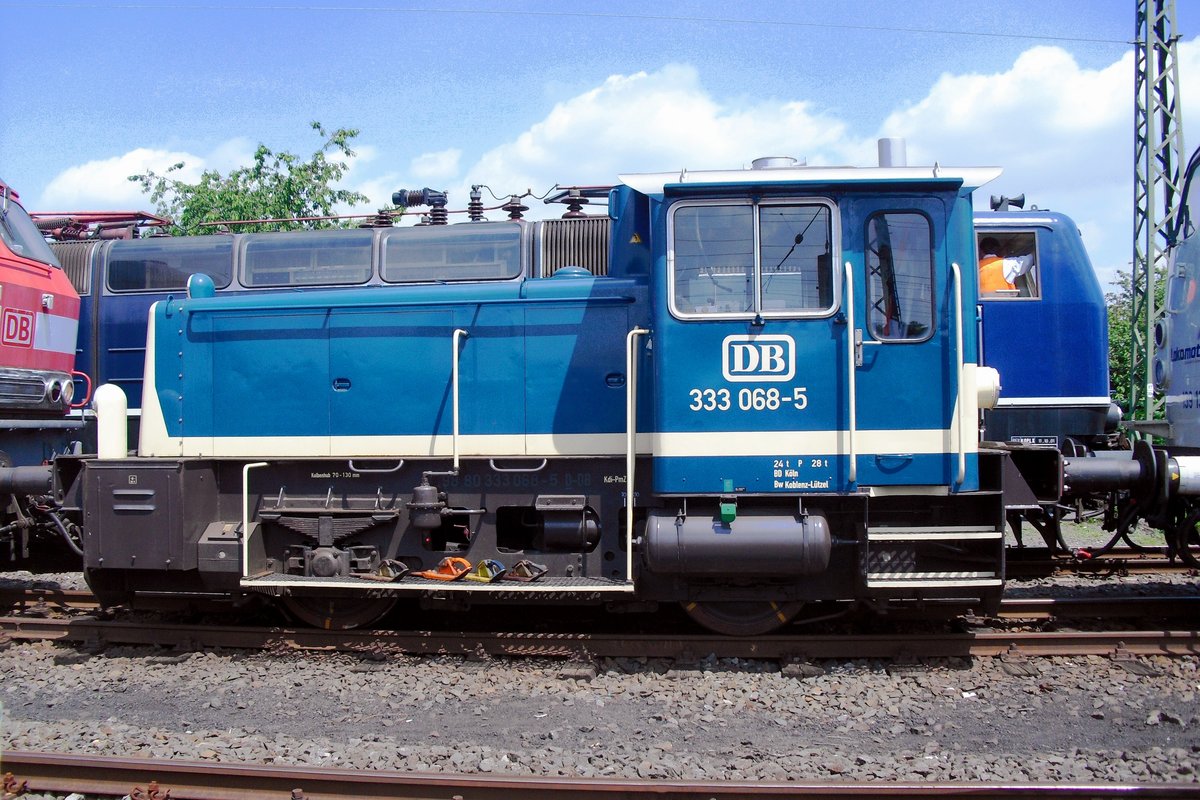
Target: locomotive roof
656 184
1022 217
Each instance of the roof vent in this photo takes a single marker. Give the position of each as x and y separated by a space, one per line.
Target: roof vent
776 162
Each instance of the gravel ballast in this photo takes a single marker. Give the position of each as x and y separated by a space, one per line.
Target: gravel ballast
1071 720
1082 719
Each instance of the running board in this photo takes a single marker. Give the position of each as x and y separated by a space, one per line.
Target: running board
930 534
277 584
931 580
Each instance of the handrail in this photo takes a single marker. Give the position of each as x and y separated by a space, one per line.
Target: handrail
538 468
852 387
246 513
958 336
630 441
291 303
459 334
353 468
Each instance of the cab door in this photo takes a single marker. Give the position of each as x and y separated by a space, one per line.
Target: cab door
911 423
749 348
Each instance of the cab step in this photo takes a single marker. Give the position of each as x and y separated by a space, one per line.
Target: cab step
917 557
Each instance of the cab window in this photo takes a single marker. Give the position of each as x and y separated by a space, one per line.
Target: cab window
1008 265
899 276
21 235
742 259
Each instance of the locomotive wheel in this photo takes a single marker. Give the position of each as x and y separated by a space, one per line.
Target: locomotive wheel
338 613
743 618
1186 542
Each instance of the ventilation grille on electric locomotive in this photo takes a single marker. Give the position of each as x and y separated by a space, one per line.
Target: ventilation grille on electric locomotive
76 259
579 242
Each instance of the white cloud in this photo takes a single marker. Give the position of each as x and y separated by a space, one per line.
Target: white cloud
646 121
105 185
653 121
1062 133
228 155
441 165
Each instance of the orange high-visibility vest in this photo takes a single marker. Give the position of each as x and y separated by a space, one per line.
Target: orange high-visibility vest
991 275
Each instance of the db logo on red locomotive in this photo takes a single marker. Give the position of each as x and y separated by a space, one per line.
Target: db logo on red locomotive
17 328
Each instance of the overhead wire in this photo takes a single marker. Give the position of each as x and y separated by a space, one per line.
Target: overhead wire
562 14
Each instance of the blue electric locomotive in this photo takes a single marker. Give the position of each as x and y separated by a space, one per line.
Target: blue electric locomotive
1046 333
768 397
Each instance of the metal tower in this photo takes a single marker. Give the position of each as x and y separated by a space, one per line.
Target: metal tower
1158 167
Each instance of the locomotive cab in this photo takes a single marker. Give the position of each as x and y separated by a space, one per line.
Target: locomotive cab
791 304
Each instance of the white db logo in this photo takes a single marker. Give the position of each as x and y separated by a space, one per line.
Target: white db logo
758 359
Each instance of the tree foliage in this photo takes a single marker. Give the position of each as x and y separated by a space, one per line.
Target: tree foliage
1120 338
1120 308
275 186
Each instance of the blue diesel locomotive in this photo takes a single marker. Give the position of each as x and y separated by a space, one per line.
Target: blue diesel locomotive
1046 335
120 279
769 397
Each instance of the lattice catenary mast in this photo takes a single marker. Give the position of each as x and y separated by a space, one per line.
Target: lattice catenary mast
1158 167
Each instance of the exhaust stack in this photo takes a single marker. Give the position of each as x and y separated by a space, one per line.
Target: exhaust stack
892 153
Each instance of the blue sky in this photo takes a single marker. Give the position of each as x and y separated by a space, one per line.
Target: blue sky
526 94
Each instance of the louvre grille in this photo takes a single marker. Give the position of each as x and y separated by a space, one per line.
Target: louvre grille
575 243
76 258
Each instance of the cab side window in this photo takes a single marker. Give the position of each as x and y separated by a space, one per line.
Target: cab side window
1008 265
900 276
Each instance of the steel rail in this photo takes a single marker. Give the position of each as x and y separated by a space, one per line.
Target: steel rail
1120 560
207 780
900 645
1164 607
44 599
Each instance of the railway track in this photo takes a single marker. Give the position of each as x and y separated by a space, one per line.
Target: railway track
181 780
68 615
44 602
1027 563
788 648
1035 562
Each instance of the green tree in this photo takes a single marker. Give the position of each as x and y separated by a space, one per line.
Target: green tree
275 186
1120 337
1120 307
